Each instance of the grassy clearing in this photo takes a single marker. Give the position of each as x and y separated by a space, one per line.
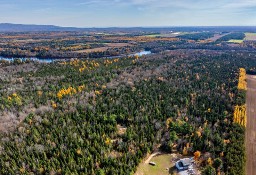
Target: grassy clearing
117 44
167 34
154 35
163 162
99 49
102 49
236 41
250 36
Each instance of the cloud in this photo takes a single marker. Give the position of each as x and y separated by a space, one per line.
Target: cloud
98 2
181 4
238 4
130 12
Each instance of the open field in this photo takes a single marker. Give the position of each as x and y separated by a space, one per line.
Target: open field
250 36
251 126
216 37
29 40
236 41
102 49
163 163
99 49
117 44
167 34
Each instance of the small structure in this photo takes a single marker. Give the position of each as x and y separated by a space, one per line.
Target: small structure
152 163
183 164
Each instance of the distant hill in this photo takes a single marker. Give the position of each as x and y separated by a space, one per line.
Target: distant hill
8 27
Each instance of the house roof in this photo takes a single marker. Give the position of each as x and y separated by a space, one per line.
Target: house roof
186 161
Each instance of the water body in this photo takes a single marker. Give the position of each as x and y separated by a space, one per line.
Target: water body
41 60
50 60
142 53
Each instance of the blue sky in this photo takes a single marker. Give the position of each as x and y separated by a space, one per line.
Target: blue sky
125 13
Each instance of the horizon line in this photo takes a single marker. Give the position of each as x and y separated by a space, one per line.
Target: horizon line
89 27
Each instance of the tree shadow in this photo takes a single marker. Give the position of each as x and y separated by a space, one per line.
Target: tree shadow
172 170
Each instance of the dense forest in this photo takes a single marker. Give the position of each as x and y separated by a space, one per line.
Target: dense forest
102 116
197 36
236 36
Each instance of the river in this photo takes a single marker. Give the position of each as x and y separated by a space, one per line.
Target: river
142 53
42 60
50 60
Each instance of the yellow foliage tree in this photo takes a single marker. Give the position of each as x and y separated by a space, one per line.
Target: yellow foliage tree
209 161
242 85
79 151
197 155
63 92
240 111
185 151
240 115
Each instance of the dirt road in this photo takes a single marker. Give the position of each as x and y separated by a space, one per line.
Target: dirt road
250 139
151 156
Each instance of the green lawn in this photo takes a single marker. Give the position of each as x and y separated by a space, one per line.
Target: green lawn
163 162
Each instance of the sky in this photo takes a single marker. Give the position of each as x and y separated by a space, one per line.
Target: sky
129 13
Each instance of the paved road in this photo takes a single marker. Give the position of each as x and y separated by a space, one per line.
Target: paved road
250 139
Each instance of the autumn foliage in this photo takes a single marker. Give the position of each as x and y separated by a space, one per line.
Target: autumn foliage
197 155
63 92
240 115
240 111
242 79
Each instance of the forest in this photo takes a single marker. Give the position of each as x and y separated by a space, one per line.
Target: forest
124 42
237 36
102 116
